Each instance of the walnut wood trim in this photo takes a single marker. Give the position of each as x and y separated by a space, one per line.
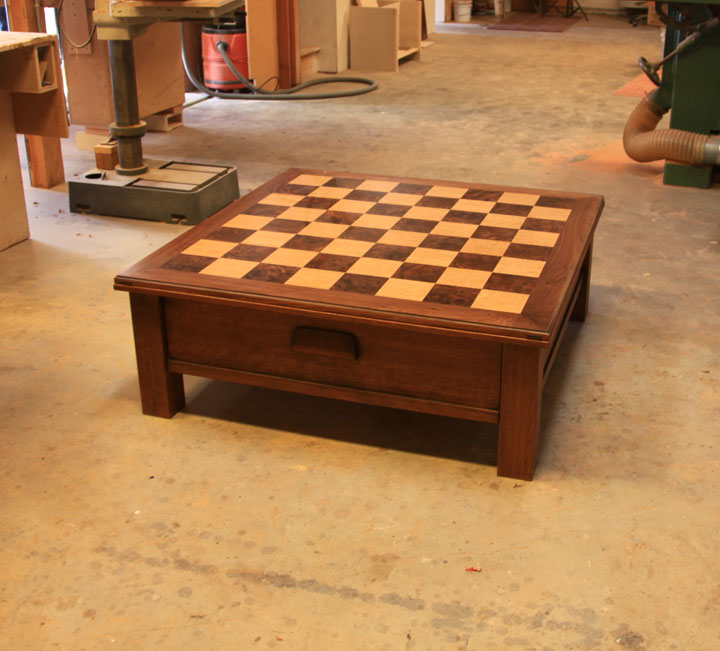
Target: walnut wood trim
377 317
340 393
161 392
553 350
520 404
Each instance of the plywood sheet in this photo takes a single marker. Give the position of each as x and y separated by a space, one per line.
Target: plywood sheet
13 217
16 40
410 26
325 24
262 38
374 39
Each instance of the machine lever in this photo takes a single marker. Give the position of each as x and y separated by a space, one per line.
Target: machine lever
651 69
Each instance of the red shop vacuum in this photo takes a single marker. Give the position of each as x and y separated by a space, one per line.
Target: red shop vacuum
216 72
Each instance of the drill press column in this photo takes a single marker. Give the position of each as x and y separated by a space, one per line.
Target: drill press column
128 128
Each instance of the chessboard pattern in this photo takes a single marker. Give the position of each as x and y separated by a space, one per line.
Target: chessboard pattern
480 249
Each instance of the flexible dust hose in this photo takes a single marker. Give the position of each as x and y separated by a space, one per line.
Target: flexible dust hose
290 93
644 144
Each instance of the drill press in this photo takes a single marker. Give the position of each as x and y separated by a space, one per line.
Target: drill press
157 190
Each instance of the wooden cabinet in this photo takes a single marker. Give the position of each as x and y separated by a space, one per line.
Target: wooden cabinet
382 35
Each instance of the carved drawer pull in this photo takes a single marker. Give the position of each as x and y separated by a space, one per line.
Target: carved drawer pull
330 343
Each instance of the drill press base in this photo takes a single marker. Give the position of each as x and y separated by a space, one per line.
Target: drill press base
170 191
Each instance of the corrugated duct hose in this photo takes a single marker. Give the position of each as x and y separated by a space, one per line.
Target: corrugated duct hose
643 143
258 93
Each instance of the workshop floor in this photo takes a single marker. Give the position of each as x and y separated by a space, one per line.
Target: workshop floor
257 519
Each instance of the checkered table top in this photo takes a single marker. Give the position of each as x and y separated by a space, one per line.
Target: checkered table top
465 252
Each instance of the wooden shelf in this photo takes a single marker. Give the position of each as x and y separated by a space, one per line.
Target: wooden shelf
402 53
383 34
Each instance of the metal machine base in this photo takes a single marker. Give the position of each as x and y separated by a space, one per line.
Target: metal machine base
170 191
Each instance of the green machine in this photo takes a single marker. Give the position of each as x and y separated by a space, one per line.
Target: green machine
690 90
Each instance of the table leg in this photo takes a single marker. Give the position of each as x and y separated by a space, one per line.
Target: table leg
520 403
161 392
580 310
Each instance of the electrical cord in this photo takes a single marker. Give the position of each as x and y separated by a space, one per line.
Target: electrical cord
257 93
64 33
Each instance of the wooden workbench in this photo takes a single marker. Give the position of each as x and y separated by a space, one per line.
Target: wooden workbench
32 102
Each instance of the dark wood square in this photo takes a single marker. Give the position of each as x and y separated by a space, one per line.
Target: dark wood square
249 252
450 295
230 234
361 233
389 252
414 271
308 243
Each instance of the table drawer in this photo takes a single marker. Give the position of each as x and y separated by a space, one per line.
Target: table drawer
446 366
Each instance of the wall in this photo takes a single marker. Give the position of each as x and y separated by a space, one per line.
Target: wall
590 6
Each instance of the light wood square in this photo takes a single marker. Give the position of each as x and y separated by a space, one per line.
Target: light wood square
520 267
437 257
252 222
310 179
229 268
281 199
519 198
323 229
402 238
445 191
268 238
411 290
423 212
401 199
376 221
485 247
350 205
503 221
454 229
301 214
315 278
375 267
354 248
536 238
377 186
210 248
472 205
290 257
490 299
473 278
556 214
328 192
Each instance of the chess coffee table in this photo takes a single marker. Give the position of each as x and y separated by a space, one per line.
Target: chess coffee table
434 296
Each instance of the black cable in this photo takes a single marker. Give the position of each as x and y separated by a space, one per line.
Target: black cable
64 33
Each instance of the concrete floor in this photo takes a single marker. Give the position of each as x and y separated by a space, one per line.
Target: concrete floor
256 519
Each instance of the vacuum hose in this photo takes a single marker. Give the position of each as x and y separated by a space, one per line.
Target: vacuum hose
257 93
643 143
